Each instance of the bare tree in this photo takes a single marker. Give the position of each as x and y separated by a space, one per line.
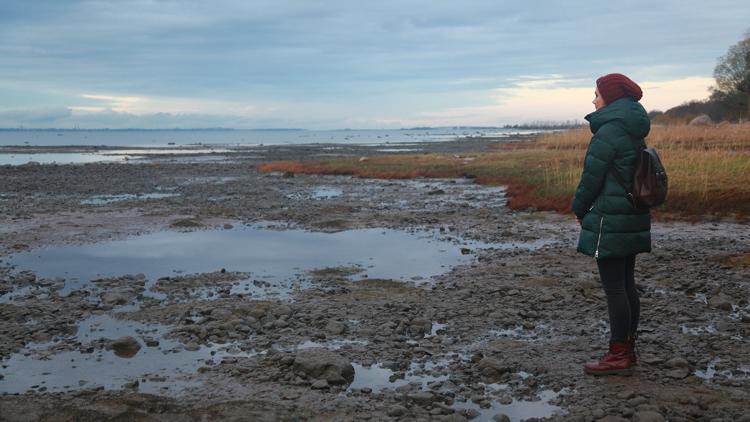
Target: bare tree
732 73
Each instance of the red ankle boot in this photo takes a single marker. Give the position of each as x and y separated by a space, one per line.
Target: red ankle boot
616 362
633 350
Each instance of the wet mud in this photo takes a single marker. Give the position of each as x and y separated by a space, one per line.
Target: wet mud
181 288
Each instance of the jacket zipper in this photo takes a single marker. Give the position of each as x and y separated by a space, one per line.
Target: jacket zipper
601 223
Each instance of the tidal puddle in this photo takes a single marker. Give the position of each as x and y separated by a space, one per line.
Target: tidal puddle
21 293
436 326
160 365
61 158
274 260
331 344
167 151
377 378
696 331
522 333
741 373
517 410
108 199
319 193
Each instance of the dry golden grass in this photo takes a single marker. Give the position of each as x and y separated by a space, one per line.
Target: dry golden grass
708 168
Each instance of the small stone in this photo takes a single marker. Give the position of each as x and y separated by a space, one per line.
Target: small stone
721 301
335 328
492 368
221 314
648 416
319 385
320 363
501 417
678 373
677 362
131 385
598 413
114 298
470 413
125 347
422 399
635 401
612 418
397 411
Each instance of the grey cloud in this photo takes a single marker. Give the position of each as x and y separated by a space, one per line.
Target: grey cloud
344 51
35 116
65 118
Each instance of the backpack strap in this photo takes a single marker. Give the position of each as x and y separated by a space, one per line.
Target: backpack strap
621 181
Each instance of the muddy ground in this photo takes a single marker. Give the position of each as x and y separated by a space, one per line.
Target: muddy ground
505 331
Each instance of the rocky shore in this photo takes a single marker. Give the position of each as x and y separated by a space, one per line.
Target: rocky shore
495 328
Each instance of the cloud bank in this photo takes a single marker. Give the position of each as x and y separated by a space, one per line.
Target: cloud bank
338 63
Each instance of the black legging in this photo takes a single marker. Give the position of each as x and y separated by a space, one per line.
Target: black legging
618 280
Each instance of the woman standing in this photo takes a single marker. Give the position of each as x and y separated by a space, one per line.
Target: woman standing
612 230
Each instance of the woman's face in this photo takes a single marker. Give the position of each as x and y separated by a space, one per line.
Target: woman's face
598 100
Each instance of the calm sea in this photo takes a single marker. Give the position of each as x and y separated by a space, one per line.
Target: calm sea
165 138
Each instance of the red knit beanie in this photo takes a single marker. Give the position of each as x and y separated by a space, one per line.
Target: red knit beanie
615 86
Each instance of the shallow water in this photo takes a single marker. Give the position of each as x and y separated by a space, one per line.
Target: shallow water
152 138
318 193
378 378
43 367
274 259
61 158
517 410
108 199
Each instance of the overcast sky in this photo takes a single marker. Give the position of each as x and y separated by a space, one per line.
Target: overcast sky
347 64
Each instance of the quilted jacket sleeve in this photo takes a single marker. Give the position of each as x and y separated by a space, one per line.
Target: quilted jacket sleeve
596 164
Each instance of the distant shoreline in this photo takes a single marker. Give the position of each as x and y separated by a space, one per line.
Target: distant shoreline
224 129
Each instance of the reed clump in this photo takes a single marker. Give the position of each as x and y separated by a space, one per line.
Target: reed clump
708 168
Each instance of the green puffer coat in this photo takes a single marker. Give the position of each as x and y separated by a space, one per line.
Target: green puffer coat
611 226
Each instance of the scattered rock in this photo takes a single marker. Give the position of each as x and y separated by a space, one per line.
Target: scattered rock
420 326
221 314
721 301
677 362
702 120
492 368
324 364
185 223
501 417
319 384
335 328
612 418
422 399
114 298
678 373
397 411
470 413
647 416
125 347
